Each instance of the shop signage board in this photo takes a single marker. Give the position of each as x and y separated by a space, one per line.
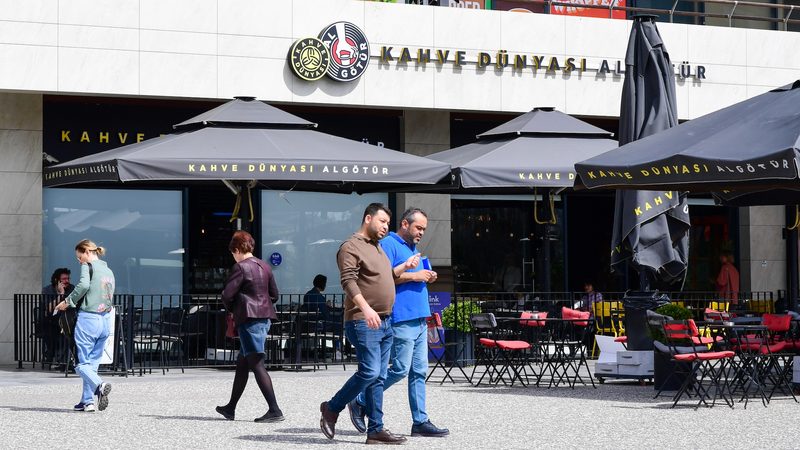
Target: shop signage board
438 301
342 52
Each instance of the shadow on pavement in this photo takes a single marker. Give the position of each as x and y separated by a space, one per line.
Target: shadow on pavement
287 439
319 432
626 393
195 418
46 410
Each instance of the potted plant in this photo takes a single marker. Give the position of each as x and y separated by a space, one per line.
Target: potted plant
458 329
663 365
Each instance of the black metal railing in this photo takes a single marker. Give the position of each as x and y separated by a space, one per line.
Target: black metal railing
512 303
176 331
38 337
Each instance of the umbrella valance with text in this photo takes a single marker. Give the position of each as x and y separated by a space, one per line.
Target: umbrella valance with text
750 145
234 145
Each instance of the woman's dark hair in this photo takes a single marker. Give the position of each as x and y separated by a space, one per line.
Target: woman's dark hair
57 275
320 281
373 209
242 241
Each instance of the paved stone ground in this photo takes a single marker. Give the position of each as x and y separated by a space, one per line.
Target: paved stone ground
177 411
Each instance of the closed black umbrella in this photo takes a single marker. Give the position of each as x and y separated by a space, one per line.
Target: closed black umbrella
650 227
248 140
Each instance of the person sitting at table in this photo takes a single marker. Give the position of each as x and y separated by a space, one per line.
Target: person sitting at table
589 298
314 301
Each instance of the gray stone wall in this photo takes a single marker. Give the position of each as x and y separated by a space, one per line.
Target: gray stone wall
424 133
762 248
20 207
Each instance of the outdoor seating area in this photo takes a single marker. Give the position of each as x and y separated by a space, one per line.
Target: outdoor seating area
729 357
733 355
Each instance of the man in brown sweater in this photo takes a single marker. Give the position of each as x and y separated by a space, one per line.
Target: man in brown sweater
368 283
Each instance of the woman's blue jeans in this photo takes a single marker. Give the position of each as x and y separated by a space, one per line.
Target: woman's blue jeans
91 333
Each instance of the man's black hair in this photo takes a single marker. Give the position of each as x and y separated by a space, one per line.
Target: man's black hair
320 281
373 209
408 215
57 275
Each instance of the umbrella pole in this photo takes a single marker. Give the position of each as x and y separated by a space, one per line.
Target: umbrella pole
792 257
644 279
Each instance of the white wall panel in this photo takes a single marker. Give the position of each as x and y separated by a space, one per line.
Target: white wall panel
717 45
179 15
82 36
101 13
178 42
114 71
254 77
406 86
419 34
28 67
28 33
255 17
525 33
216 48
254 46
181 75
29 11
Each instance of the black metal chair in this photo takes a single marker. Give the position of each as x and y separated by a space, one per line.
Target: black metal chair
704 368
449 351
504 356
170 336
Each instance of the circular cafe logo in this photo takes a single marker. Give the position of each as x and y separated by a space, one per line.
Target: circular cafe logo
348 48
309 59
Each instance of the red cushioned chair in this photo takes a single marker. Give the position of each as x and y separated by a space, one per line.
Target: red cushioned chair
706 370
504 357
779 353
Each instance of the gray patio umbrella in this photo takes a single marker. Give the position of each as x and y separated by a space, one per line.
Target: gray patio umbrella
248 140
538 149
650 228
746 148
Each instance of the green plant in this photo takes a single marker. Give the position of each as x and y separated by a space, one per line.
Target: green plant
460 310
676 312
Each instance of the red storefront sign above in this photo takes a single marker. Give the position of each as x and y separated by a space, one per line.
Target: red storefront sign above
590 12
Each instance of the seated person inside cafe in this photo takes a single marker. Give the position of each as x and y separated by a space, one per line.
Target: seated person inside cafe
46 324
589 298
314 301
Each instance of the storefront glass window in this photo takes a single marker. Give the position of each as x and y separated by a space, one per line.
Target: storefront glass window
304 230
141 230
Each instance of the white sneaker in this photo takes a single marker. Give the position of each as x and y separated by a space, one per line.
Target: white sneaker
84 408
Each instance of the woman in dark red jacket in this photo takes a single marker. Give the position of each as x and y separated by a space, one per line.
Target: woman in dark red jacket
249 294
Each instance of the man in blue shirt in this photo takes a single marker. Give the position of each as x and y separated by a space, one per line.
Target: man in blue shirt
411 308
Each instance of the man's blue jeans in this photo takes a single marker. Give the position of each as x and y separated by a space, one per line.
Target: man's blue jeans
91 333
372 350
409 358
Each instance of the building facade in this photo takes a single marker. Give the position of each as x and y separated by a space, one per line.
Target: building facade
105 72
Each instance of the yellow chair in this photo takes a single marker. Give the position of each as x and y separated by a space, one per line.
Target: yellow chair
607 321
761 306
719 306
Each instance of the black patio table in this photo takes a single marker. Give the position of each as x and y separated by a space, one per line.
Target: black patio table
757 365
558 345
